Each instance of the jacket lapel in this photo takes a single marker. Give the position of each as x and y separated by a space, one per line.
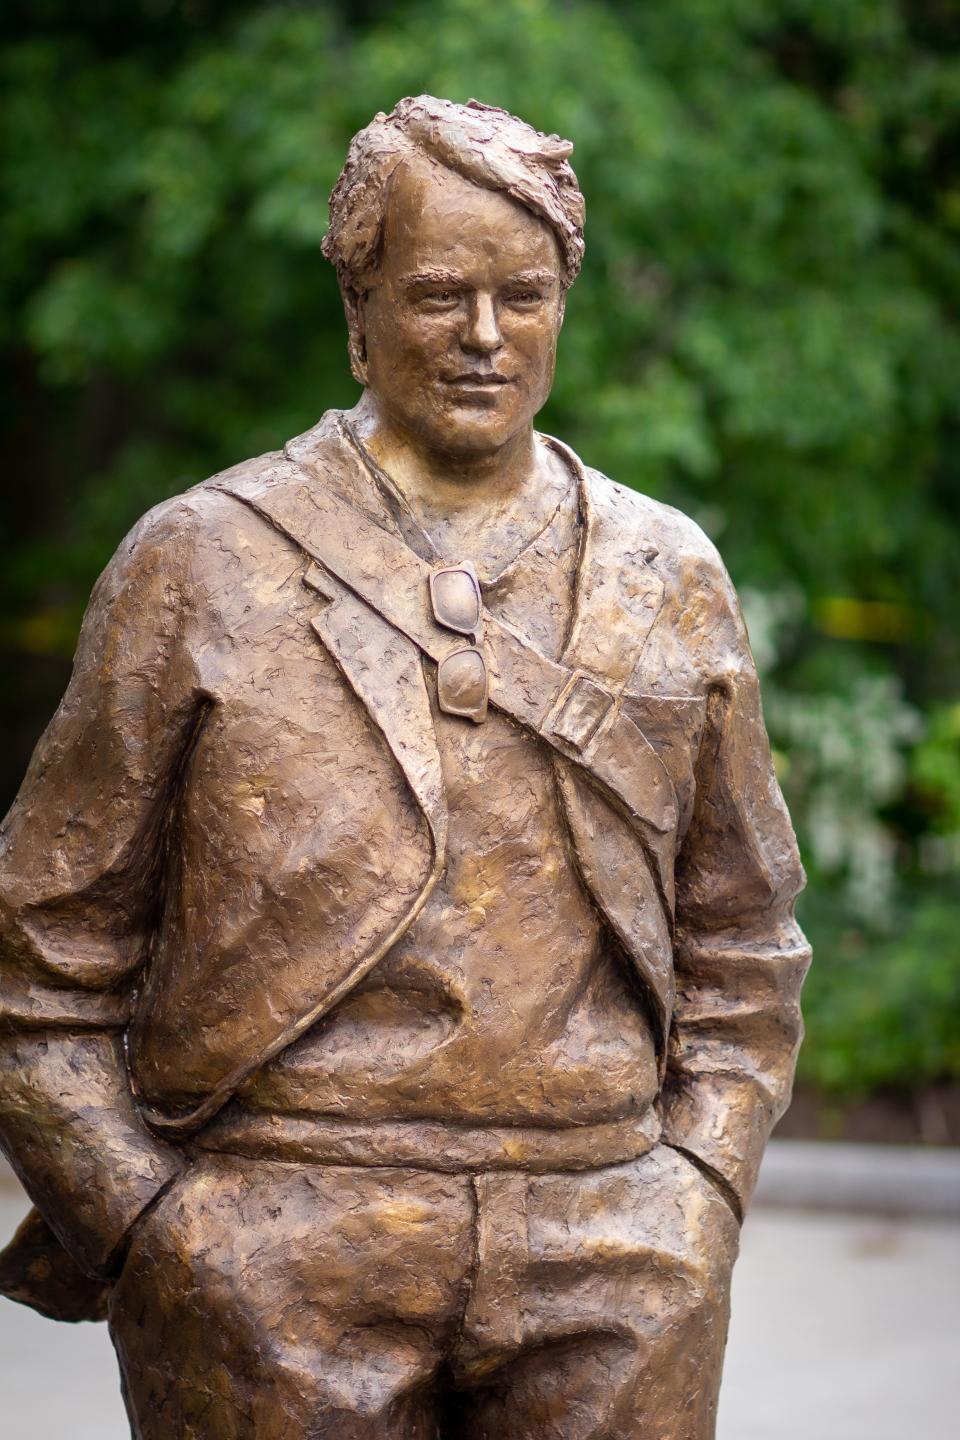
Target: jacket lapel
619 595
385 671
629 874
380 664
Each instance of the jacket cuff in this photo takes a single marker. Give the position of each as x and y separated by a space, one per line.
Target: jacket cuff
35 1270
722 1125
73 1135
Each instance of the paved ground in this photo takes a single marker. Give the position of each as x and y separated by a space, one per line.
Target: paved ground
844 1328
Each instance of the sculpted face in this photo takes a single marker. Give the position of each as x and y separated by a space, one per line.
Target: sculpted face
461 325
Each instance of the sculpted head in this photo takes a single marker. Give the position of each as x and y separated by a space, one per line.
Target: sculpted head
456 231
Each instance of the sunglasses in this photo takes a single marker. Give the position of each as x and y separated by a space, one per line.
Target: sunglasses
463 683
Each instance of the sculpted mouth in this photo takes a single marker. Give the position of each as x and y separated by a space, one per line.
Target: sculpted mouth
478 377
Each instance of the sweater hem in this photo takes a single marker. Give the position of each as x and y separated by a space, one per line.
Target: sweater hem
429 1144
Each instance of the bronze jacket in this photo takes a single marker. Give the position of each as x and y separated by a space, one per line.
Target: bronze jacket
238 809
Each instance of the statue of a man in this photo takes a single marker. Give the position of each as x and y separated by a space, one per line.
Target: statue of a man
399 970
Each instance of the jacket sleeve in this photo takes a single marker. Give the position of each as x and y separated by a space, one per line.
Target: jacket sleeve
739 955
82 876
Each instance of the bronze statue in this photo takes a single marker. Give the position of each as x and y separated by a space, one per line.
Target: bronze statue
400 978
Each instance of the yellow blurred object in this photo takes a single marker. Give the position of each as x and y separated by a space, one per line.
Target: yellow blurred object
48 632
844 618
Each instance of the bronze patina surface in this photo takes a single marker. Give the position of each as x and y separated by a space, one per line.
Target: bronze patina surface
399 971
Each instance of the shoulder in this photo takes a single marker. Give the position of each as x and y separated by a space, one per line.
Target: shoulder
197 533
215 538
655 532
631 529
700 606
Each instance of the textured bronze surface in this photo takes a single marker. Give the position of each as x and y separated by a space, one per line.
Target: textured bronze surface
376 1072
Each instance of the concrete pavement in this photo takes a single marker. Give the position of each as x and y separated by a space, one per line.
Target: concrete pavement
867 1179
844 1328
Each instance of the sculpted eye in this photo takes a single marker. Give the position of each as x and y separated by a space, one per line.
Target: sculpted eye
440 299
524 298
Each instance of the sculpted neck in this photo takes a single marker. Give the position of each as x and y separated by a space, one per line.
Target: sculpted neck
484 507
444 483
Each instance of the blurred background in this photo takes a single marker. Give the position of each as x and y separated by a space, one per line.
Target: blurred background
766 334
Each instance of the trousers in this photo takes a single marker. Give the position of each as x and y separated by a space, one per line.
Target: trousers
277 1300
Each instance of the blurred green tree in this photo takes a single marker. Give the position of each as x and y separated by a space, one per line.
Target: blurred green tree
765 334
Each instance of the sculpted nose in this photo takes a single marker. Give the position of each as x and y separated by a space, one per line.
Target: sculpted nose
482 332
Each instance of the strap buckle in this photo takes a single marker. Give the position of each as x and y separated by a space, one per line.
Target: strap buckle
579 710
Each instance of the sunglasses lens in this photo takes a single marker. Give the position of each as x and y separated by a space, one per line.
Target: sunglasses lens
462 684
456 600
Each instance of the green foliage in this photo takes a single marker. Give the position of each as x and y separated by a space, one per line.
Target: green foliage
881 1010
765 334
935 771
